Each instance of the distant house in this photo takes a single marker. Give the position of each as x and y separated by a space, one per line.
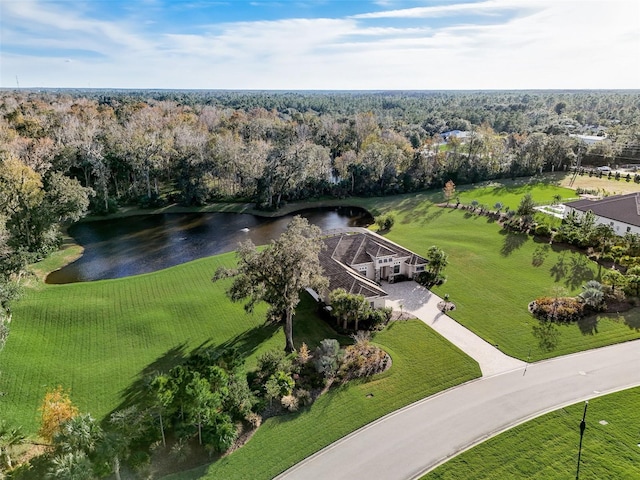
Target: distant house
589 139
460 134
358 262
622 212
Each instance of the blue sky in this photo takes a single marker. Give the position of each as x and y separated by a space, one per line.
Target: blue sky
320 44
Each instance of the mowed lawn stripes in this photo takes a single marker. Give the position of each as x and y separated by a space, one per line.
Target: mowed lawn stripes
95 338
492 277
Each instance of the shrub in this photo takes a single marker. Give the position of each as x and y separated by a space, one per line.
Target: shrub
542 230
271 362
281 384
385 222
557 309
240 400
254 419
429 279
303 396
363 359
377 318
221 434
304 355
290 402
327 357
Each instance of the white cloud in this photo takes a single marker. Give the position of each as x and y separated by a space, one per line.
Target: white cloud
451 9
542 44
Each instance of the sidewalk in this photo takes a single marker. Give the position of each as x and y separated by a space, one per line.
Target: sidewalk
422 303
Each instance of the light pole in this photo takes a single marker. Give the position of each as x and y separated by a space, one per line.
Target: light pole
583 426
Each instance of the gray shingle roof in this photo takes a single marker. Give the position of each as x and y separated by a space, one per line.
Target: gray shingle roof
346 250
362 248
341 275
621 208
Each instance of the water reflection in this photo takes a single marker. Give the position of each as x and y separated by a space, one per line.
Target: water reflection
134 245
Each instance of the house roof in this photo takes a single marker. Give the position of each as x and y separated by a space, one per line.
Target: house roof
346 250
360 248
621 208
343 276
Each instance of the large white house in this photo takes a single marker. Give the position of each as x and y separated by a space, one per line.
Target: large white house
358 262
621 212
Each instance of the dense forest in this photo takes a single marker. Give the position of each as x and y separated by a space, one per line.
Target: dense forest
64 151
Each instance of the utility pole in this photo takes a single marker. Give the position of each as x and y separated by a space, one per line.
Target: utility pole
583 426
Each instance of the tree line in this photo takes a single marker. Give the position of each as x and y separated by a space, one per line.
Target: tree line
272 147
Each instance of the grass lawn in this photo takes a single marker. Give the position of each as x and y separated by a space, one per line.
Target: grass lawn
417 372
97 337
547 447
100 339
493 275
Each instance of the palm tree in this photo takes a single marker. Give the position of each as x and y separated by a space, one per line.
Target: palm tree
9 438
437 259
71 466
80 433
348 307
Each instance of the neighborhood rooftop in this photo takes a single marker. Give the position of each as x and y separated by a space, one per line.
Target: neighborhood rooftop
621 208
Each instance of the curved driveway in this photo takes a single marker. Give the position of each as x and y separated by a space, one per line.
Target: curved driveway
411 441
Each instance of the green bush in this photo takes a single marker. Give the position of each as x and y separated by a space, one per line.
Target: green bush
430 279
269 363
377 318
542 230
282 383
385 222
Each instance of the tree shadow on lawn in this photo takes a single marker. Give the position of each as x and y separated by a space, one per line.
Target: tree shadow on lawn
588 325
423 215
245 344
414 208
631 319
512 242
540 254
574 272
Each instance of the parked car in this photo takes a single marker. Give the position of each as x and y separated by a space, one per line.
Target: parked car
604 168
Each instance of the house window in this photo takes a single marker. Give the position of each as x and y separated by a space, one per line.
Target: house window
611 223
396 269
420 268
628 229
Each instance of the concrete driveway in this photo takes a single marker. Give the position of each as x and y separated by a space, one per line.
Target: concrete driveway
422 303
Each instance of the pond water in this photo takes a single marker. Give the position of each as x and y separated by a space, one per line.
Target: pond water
133 245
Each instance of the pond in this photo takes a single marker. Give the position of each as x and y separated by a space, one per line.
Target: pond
133 245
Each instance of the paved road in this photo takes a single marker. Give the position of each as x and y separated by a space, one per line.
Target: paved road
407 443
